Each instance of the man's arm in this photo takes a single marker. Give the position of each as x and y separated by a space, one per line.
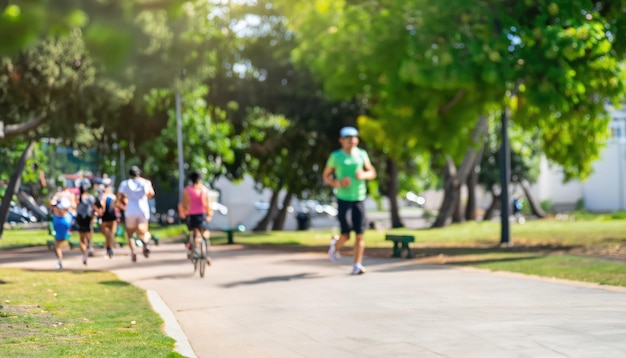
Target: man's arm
328 175
368 172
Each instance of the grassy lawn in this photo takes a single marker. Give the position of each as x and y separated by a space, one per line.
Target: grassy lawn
534 233
473 234
567 267
38 237
77 314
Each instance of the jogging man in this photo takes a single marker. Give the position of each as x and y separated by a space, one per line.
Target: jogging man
347 170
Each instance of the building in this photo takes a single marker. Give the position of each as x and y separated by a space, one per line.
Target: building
604 190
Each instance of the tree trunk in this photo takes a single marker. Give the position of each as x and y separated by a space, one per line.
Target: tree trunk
453 183
450 197
495 204
470 207
14 184
392 171
535 208
271 213
279 221
472 183
457 216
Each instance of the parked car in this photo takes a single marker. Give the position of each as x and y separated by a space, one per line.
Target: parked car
19 215
415 200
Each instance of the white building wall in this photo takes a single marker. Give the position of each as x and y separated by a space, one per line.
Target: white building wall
551 186
245 204
605 190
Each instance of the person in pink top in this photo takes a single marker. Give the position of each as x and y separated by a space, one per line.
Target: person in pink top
196 207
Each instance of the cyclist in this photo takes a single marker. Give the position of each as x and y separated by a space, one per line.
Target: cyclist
196 208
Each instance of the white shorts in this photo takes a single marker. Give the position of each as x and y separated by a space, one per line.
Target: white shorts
133 221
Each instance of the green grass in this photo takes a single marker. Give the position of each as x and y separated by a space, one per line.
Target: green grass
538 232
539 246
567 267
77 314
549 232
37 237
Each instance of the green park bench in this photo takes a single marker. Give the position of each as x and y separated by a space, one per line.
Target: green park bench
400 244
230 232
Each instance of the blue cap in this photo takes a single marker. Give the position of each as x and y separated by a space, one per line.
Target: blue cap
348 132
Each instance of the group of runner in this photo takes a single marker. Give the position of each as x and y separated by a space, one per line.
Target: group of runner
347 170
130 205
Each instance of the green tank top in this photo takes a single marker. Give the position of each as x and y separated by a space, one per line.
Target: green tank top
346 165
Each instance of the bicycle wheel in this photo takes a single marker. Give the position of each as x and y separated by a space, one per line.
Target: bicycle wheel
193 257
203 256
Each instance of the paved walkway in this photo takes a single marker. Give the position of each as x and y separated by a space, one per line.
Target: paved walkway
263 303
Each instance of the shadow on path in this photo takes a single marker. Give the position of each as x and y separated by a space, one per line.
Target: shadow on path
269 279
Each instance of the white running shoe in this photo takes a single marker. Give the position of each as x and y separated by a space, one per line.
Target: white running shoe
358 269
333 255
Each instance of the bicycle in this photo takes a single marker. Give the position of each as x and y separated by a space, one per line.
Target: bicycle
198 255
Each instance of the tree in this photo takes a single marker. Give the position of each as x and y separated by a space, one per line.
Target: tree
363 61
276 107
63 89
208 139
14 184
432 69
131 44
525 161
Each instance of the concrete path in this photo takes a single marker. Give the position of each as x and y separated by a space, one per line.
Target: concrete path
263 303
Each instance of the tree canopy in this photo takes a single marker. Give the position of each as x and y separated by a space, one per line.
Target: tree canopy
429 69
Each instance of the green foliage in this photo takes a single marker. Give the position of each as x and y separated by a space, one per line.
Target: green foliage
21 25
618 215
24 24
525 155
587 216
48 80
207 136
428 70
547 206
